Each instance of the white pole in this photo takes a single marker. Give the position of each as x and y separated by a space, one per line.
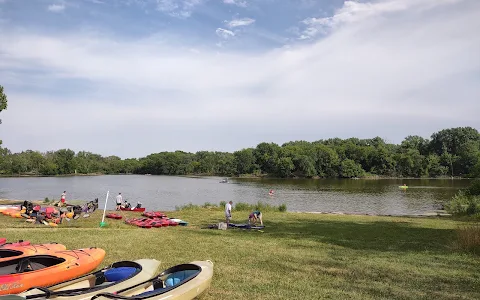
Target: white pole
105 209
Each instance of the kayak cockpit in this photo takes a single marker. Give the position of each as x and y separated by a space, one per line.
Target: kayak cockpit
164 282
28 264
114 274
4 253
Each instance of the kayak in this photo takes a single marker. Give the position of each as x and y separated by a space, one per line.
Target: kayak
3 241
19 243
150 222
119 275
154 214
142 209
179 222
114 216
403 187
19 274
17 250
246 226
184 281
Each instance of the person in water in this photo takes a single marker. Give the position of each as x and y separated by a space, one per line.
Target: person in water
254 217
228 212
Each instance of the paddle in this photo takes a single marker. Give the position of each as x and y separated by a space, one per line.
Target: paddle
103 224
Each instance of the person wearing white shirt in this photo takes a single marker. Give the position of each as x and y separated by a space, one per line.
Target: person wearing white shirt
119 201
228 212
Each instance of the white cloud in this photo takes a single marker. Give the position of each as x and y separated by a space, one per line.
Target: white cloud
178 8
353 11
241 3
56 7
224 33
240 22
382 75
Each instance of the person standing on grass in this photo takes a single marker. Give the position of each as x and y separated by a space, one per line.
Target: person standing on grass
119 201
62 198
228 212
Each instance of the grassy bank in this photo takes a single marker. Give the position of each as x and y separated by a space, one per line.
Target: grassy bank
297 256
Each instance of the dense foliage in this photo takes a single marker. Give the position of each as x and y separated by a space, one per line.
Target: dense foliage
467 201
450 152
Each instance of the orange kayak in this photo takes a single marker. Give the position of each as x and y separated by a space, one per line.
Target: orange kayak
17 250
19 274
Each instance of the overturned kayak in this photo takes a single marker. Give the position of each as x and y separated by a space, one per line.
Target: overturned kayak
114 216
181 282
119 275
17 250
19 274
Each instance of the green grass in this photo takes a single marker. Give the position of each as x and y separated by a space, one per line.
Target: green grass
297 256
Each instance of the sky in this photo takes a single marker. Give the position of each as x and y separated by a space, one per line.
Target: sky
134 77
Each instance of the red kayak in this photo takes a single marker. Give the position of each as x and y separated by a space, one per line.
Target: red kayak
133 209
3 243
114 216
154 214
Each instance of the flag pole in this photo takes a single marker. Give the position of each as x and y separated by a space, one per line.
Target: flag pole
102 224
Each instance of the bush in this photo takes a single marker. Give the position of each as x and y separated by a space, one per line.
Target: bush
468 238
46 200
209 205
474 188
282 208
241 206
188 206
223 203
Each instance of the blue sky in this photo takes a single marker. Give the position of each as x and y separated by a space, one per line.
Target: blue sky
132 77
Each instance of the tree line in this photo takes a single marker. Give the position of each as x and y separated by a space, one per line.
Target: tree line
453 152
449 152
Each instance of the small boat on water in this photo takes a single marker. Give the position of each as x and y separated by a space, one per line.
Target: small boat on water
19 274
22 249
181 282
120 275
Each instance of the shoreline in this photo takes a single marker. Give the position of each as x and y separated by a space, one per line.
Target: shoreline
246 176
436 213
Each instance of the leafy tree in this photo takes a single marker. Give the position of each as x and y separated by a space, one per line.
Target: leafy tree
349 168
244 161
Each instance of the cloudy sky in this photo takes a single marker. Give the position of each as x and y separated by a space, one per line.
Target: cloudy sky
132 77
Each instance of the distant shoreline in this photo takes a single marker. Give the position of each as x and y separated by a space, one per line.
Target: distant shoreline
245 176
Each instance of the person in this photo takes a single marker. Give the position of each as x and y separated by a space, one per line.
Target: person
254 217
119 201
139 205
62 198
228 212
126 204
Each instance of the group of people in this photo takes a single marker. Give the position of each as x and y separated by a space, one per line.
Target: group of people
253 217
125 203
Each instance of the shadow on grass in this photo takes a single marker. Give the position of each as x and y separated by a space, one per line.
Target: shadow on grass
379 235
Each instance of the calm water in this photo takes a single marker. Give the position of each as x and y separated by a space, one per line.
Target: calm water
165 192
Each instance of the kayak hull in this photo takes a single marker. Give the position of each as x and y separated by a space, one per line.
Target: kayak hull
102 281
47 269
141 209
22 249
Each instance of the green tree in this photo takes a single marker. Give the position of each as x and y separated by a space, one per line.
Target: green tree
244 161
349 169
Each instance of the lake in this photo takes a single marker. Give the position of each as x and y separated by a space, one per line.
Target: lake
382 197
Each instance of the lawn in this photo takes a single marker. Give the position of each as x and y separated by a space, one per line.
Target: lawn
297 256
